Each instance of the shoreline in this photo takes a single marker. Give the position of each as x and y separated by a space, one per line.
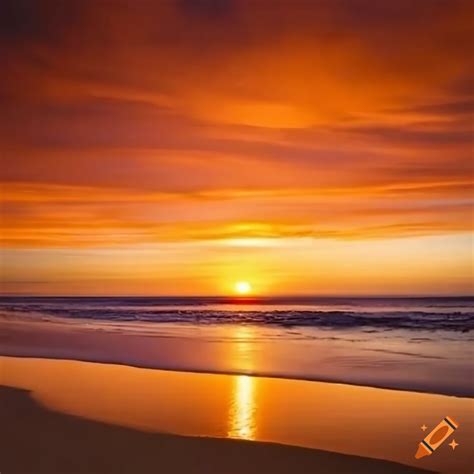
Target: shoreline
247 374
352 358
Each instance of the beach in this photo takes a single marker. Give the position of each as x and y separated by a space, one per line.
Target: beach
273 384
216 423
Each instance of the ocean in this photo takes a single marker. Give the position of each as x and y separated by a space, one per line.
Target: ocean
420 344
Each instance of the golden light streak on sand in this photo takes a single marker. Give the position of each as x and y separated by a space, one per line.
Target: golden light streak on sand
242 420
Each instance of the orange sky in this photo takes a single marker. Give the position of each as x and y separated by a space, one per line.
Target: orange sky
176 147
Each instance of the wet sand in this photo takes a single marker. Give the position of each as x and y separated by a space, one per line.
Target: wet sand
362 421
37 440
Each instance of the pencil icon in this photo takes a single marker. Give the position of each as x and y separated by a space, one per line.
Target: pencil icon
436 437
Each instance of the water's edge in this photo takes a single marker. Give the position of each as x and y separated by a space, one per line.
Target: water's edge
247 374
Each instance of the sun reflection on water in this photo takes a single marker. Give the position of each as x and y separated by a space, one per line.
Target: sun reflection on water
242 420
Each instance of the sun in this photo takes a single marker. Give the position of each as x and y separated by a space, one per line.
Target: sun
243 287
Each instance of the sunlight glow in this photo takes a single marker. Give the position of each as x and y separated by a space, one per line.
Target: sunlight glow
243 287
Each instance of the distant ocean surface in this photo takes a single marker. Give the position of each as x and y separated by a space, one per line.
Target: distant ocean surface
408 343
448 313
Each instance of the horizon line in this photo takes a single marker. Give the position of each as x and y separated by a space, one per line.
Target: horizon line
243 298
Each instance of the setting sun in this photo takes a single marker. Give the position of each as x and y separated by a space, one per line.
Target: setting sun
243 287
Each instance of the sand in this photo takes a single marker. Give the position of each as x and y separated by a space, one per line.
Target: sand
37 440
360 421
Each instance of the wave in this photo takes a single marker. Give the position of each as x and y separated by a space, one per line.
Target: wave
446 321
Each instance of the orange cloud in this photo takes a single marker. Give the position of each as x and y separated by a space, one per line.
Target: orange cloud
69 216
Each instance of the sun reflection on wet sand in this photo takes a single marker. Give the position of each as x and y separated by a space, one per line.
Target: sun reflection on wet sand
242 419
242 350
332 417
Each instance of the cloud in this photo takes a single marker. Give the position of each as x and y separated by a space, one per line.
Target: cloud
75 216
176 121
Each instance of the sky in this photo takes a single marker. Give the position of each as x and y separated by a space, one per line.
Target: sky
180 146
